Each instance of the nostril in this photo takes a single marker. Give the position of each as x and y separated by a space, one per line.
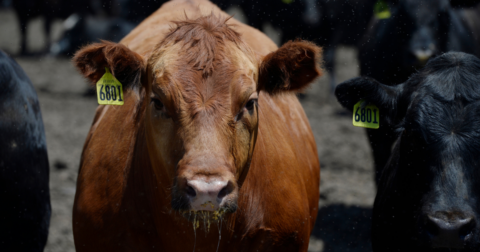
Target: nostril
432 227
467 227
191 192
225 191
222 193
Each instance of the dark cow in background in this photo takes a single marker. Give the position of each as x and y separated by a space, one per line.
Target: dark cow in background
85 21
50 10
295 19
342 23
329 23
24 192
82 29
395 48
428 194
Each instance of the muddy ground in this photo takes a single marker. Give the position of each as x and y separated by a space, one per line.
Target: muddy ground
347 189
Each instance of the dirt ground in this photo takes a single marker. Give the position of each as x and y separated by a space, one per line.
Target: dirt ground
347 189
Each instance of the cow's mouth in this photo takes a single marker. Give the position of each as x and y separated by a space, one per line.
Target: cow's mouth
206 218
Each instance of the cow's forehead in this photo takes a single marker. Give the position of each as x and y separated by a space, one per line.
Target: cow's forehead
204 68
444 98
233 71
440 121
196 96
433 5
204 44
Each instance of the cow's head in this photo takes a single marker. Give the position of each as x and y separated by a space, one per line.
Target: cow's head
429 190
424 26
202 84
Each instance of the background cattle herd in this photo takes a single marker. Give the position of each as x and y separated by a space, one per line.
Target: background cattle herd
408 186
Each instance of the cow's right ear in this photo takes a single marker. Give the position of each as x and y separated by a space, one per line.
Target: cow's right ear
386 98
126 65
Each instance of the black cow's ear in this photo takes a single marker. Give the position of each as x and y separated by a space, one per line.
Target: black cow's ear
290 68
126 65
384 97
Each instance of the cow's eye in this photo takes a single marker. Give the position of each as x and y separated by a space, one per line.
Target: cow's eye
157 103
251 104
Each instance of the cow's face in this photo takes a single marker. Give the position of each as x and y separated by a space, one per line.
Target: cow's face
202 84
437 155
202 120
428 191
424 26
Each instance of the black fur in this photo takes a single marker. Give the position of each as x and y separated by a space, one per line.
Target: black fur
24 191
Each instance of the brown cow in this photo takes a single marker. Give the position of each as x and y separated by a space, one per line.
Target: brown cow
211 150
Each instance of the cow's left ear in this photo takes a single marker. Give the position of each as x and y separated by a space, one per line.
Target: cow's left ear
290 68
388 99
126 65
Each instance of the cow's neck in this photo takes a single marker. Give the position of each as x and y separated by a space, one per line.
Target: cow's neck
155 185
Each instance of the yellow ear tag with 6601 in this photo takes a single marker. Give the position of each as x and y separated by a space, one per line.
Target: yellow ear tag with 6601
109 90
366 117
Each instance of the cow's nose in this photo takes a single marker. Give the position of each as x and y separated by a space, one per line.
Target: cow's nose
207 196
447 231
423 55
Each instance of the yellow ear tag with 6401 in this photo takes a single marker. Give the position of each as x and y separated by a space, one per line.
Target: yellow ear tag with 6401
366 117
109 90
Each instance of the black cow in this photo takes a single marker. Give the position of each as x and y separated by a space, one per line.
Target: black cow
24 191
395 48
428 195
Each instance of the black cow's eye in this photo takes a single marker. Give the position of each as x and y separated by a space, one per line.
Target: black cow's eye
250 104
157 103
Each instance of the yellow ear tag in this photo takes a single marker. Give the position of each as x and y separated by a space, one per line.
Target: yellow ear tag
367 117
109 90
381 10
